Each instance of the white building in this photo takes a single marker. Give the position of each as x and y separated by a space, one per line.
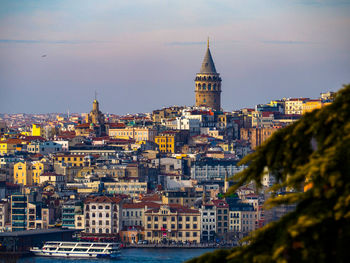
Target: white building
208 222
64 144
102 215
44 147
294 105
53 179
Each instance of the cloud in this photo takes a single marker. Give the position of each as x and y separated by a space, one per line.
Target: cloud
287 42
64 42
185 43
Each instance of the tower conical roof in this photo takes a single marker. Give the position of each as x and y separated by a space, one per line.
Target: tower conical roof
208 65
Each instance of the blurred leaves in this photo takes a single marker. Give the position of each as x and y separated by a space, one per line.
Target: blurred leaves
316 150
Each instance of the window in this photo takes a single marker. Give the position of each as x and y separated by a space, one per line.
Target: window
187 226
194 226
156 218
187 218
164 218
194 218
187 234
156 226
149 234
194 234
180 226
180 234
100 222
148 225
172 226
173 218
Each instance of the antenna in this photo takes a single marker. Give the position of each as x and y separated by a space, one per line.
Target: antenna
95 95
208 43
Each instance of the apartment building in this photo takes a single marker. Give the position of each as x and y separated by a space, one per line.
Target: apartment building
172 223
102 215
208 222
222 214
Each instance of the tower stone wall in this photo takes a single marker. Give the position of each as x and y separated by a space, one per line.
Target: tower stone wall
208 84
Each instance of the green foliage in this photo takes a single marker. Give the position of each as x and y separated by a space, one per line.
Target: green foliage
314 149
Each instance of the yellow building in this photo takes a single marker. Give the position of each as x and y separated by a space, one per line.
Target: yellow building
311 105
70 159
28 173
136 133
166 142
172 223
10 146
36 130
184 198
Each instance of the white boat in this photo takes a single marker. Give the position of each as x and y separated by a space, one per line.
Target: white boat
77 250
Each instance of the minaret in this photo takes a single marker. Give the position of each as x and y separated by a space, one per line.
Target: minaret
208 84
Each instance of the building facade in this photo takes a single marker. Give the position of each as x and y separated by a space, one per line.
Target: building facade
102 215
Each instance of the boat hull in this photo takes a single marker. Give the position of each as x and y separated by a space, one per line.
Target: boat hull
73 255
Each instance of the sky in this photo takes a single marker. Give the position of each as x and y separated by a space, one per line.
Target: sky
143 55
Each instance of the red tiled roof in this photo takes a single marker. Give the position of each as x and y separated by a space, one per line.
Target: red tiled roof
220 203
103 199
141 205
116 125
175 208
83 125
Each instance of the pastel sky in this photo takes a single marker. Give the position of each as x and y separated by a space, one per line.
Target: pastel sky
143 55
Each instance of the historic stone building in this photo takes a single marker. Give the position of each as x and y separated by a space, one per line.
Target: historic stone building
208 84
96 116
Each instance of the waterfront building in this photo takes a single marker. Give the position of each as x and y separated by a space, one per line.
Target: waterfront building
70 210
208 84
102 215
208 222
133 213
242 218
172 223
18 212
222 213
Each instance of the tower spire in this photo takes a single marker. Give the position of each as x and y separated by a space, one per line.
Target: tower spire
208 43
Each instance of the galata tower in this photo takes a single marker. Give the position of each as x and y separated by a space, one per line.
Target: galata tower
208 84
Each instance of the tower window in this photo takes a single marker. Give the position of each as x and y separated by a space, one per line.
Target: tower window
214 87
203 86
209 86
204 100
